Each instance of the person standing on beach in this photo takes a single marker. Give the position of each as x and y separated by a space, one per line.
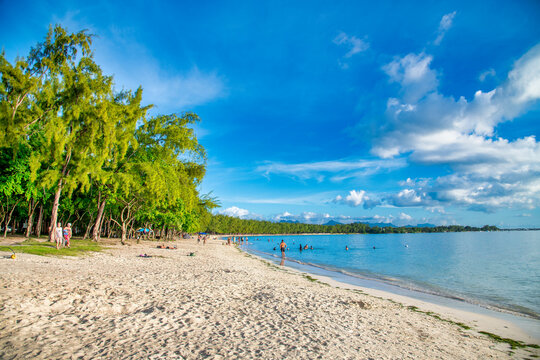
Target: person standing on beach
282 247
58 235
67 234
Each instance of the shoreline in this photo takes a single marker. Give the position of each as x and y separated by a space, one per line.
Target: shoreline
483 319
527 323
221 303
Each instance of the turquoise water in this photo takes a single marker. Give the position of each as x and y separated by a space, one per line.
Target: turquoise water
491 269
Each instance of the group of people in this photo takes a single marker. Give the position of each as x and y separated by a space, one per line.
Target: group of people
283 247
62 235
238 240
203 238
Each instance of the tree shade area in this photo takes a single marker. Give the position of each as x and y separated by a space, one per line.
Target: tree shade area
72 149
222 224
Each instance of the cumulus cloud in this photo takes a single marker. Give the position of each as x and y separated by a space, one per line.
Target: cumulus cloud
357 198
431 128
408 198
400 219
308 217
235 212
414 75
444 26
334 170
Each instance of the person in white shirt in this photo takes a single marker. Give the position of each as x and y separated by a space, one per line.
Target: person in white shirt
58 235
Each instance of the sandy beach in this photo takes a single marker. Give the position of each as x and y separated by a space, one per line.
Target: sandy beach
219 304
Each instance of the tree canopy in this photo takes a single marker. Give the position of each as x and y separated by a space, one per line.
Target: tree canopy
222 224
84 152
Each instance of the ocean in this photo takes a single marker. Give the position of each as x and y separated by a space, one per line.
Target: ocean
496 270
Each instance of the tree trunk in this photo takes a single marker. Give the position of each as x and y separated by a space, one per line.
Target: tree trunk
109 227
97 225
31 210
54 212
88 227
87 232
40 220
124 233
8 219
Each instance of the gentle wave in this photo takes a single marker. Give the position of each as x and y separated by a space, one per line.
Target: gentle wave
349 275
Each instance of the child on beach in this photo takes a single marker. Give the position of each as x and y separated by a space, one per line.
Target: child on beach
67 234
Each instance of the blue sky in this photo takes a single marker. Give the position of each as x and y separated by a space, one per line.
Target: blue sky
409 112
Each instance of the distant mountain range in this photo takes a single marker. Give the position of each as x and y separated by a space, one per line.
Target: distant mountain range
422 225
426 225
332 222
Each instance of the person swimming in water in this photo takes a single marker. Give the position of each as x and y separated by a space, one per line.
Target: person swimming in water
300 247
346 248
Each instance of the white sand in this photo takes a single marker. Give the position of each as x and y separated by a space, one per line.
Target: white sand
219 304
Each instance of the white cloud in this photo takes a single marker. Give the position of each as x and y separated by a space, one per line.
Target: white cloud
357 198
436 122
400 219
434 129
336 170
414 75
444 26
488 73
119 53
283 199
354 44
408 197
169 90
235 212
308 217
405 217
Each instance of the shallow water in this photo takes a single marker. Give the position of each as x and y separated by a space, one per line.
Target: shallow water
492 269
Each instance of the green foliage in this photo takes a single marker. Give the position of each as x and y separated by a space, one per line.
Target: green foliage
222 224
65 131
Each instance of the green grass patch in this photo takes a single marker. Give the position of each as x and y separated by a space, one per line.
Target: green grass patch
436 316
310 278
514 344
78 247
